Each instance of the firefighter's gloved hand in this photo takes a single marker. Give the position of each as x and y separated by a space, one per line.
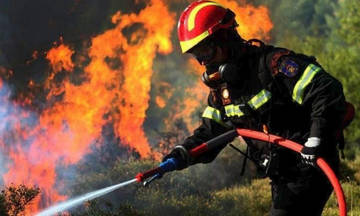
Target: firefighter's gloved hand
169 165
181 155
310 150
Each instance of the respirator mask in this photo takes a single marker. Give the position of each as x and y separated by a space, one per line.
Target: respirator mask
216 75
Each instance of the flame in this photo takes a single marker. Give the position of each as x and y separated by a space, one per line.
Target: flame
195 98
166 91
75 114
115 88
196 68
60 58
137 70
254 22
160 102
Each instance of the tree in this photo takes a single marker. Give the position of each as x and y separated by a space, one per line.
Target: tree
14 199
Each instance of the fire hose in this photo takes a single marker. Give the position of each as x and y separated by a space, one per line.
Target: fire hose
171 163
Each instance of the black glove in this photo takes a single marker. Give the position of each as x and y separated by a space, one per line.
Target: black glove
181 155
310 150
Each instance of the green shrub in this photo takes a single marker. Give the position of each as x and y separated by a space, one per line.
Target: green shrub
252 199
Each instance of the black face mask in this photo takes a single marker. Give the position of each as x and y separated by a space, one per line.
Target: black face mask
204 52
226 73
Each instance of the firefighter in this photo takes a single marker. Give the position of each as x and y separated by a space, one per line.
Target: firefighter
262 87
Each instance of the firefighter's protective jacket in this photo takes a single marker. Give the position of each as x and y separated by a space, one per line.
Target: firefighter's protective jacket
289 93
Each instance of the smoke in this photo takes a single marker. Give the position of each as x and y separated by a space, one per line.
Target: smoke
85 92
16 137
5 109
94 82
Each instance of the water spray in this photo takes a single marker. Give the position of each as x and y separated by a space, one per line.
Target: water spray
171 164
166 166
60 207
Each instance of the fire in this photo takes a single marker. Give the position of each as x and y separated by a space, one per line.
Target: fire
254 22
166 92
116 87
196 67
157 24
60 58
195 98
160 102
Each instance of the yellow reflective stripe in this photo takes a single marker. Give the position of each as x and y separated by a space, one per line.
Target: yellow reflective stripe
193 13
186 45
213 114
303 82
229 110
232 110
260 99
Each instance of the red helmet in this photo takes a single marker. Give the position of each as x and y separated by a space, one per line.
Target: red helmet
200 20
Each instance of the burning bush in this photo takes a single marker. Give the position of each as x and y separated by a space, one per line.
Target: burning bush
14 199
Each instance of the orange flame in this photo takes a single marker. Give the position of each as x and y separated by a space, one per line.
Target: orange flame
115 90
160 102
157 25
66 129
254 22
166 91
195 98
60 58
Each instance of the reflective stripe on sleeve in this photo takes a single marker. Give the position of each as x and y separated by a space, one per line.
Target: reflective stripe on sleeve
213 114
303 82
233 110
260 99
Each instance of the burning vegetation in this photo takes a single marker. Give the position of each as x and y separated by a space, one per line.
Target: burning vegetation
72 97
